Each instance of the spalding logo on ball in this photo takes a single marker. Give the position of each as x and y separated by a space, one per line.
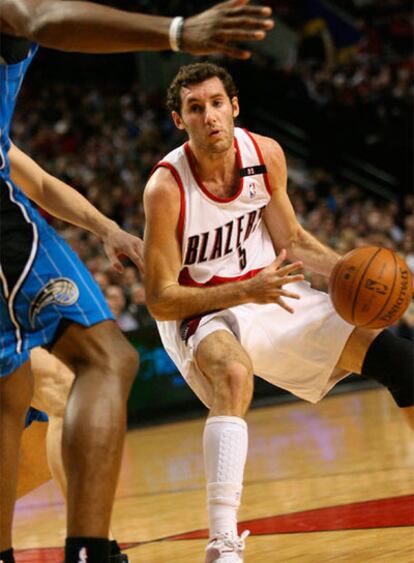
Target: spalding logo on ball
371 287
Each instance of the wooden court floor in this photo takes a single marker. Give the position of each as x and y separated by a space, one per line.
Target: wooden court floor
331 482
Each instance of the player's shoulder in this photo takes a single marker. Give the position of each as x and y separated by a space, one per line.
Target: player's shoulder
269 147
274 159
162 188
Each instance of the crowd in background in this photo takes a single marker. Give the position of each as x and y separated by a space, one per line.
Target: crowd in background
358 96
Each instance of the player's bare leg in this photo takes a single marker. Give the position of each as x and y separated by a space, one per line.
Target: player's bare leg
228 368
52 384
33 466
396 361
15 395
105 365
356 348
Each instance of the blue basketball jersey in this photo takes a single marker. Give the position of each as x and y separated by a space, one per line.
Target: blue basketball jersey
11 79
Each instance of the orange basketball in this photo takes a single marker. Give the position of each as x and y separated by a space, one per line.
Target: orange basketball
371 287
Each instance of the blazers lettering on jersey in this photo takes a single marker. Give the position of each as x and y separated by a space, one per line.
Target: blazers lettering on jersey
226 239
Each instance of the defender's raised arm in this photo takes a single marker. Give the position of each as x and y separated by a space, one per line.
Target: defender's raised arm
90 28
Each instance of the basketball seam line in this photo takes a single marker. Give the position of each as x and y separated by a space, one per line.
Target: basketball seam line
392 289
360 282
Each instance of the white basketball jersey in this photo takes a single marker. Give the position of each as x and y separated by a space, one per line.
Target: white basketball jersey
222 239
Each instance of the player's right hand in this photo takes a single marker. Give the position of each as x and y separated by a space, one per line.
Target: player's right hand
118 243
216 29
267 285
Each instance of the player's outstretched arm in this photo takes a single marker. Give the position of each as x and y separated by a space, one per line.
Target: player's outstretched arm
90 28
66 203
281 221
166 298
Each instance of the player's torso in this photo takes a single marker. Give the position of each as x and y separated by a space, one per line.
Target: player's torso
223 239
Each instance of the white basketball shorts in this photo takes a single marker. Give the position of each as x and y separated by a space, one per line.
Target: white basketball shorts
297 352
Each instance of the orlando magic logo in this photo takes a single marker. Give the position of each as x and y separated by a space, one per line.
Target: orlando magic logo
58 291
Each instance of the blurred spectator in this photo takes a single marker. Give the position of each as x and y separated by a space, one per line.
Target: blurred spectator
117 303
138 307
103 280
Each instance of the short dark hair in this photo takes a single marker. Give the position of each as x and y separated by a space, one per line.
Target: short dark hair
194 74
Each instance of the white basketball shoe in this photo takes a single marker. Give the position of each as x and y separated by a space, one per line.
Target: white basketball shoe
226 548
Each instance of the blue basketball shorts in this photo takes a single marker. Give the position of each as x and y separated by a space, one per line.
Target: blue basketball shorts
34 415
42 282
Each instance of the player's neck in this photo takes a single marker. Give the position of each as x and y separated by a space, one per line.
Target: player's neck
217 167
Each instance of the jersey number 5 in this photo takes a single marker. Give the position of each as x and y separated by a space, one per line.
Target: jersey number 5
242 257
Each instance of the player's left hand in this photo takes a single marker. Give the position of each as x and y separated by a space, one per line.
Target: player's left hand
117 243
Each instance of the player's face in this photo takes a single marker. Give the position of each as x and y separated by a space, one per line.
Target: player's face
207 114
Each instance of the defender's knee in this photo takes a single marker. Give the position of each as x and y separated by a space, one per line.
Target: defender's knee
110 353
126 361
119 360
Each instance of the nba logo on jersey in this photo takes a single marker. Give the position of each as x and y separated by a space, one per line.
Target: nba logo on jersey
83 555
252 190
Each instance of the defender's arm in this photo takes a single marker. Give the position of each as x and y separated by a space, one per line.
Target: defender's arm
90 28
66 203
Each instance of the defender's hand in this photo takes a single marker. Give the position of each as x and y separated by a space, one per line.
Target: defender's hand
120 243
216 29
267 286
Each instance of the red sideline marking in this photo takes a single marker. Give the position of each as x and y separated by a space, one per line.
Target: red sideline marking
46 555
382 513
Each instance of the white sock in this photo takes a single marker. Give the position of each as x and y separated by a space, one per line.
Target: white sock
225 452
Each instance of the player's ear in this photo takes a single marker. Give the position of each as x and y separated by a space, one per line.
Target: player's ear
177 120
236 107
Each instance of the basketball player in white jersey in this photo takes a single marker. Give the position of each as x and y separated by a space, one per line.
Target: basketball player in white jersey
219 226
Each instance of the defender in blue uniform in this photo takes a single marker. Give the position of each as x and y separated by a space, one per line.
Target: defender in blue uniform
43 282
45 290
48 298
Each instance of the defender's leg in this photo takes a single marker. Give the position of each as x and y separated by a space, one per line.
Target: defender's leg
15 394
105 365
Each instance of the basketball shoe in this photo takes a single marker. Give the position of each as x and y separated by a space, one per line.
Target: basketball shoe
226 548
119 558
116 556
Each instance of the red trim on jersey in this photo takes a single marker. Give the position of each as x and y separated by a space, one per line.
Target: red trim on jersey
260 155
177 178
202 187
186 279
